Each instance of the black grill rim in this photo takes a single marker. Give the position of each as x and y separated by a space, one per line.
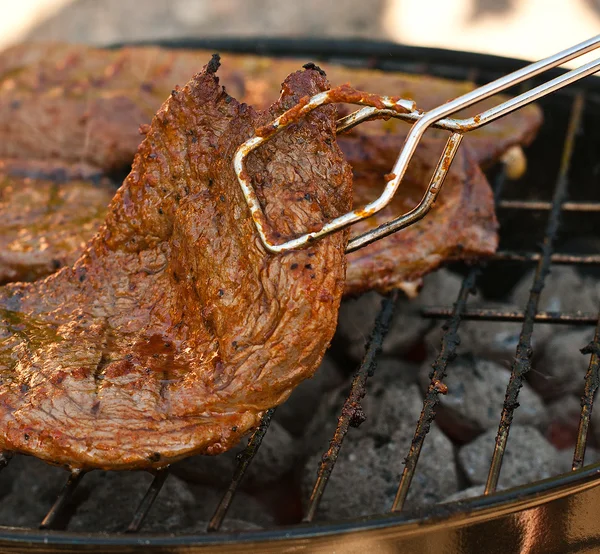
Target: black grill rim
377 55
446 516
442 61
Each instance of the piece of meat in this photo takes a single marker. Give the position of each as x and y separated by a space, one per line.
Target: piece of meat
79 103
175 330
460 226
48 212
75 78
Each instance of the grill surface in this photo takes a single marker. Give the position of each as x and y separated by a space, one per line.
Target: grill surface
531 213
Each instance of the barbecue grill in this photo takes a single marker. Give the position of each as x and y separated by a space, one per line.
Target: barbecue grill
540 217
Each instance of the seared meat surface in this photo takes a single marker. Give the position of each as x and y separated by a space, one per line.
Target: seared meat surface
460 226
48 214
88 103
78 103
175 329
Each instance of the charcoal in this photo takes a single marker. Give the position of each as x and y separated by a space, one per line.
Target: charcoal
562 367
357 315
476 391
528 457
275 457
494 340
441 288
392 402
106 501
355 323
592 456
295 414
565 289
564 421
465 494
366 475
565 458
389 391
393 372
28 489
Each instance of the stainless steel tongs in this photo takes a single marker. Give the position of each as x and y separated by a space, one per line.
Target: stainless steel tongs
378 106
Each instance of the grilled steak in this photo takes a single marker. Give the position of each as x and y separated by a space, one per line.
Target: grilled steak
175 329
67 92
49 212
78 103
460 226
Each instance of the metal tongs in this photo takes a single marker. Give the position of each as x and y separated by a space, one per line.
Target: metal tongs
378 106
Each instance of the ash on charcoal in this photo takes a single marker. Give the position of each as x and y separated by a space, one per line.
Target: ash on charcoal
366 475
298 410
563 422
562 367
564 290
476 391
389 391
471 492
275 457
357 315
28 489
495 340
355 323
106 501
528 457
394 401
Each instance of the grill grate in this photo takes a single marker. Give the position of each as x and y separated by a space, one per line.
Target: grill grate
57 517
522 364
484 314
243 462
592 381
352 414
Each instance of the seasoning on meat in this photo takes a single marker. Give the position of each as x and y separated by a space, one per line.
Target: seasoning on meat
175 330
48 212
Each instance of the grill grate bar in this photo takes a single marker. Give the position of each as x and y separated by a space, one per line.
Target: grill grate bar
55 518
352 414
592 382
547 206
559 259
160 476
450 341
244 459
488 314
521 363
